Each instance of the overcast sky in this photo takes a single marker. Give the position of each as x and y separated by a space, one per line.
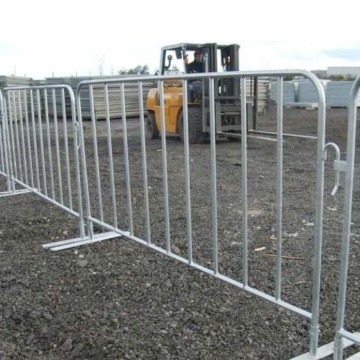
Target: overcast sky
42 38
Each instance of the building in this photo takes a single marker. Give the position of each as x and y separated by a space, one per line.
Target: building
347 71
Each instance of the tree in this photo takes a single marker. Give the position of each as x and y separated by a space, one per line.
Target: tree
138 70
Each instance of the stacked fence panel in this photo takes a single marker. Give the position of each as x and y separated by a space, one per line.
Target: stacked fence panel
98 94
43 148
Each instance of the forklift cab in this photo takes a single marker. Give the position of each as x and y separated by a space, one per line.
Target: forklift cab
216 59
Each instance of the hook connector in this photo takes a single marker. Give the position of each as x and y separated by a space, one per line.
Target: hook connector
339 165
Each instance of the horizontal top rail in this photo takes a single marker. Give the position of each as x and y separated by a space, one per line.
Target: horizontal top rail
43 87
214 75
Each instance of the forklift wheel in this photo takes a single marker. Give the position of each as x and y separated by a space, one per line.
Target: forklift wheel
196 135
151 128
235 138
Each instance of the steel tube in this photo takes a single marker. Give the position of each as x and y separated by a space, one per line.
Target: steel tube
187 173
126 156
22 137
144 164
57 146
111 160
165 171
279 187
51 169
66 145
346 230
244 186
214 217
96 153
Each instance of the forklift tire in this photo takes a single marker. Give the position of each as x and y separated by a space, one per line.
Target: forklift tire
151 128
196 135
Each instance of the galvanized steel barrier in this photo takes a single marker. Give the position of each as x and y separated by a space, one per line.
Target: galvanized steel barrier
342 335
3 153
33 166
119 218
4 158
38 146
6 165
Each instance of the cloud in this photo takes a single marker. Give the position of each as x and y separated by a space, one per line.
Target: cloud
7 48
352 54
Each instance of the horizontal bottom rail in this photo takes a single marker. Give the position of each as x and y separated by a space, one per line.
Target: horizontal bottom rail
238 284
71 243
47 198
270 133
16 192
327 350
354 337
354 357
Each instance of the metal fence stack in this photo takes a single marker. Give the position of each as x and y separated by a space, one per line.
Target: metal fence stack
14 105
302 93
131 96
289 91
338 92
262 93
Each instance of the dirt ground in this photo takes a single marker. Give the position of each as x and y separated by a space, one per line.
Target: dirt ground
117 299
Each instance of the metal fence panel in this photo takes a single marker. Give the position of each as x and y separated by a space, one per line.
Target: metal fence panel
43 149
341 333
49 154
4 151
112 180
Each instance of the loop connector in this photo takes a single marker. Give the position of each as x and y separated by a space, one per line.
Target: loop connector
339 165
77 135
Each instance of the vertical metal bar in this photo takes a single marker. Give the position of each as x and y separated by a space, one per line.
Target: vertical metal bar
144 166
66 144
244 180
279 186
17 141
345 245
319 199
80 146
2 149
187 172
256 102
4 123
37 167
42 154
2 133
96 154
126 156
12 137
30 159
111 161
165 171
8 154
22 138
2 136
58 162
49 144
214 219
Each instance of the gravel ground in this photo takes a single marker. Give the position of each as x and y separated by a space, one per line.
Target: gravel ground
119 300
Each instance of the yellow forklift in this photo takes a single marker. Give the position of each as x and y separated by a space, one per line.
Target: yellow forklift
216 58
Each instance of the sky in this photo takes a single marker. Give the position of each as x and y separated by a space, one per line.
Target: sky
45 38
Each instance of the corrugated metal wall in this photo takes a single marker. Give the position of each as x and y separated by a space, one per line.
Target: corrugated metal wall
289 91
338 92
303 93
